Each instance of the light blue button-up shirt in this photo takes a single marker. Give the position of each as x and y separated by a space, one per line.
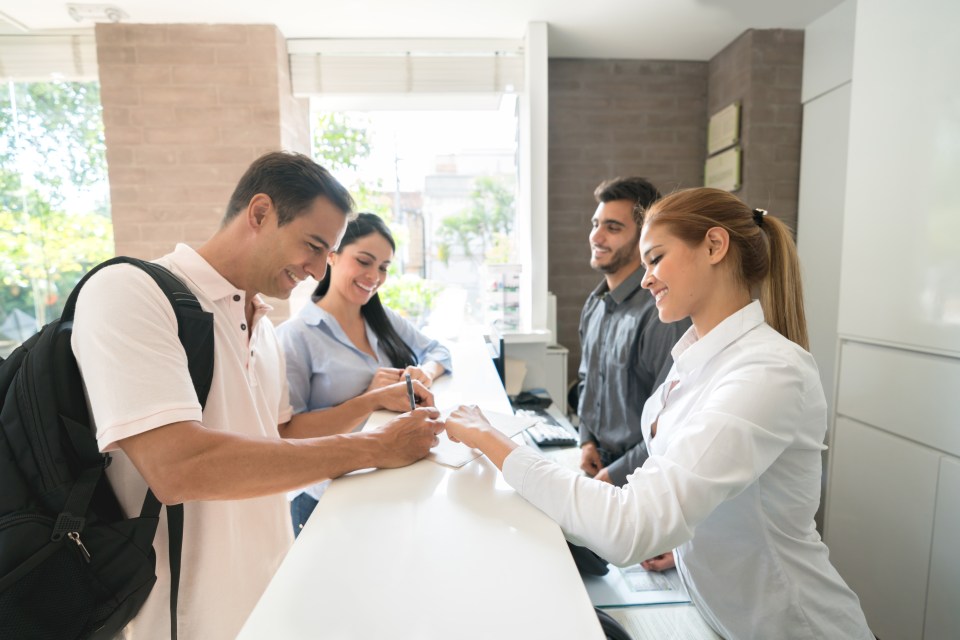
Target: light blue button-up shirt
325 368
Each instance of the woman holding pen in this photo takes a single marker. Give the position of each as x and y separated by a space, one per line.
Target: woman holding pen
349 355
735 435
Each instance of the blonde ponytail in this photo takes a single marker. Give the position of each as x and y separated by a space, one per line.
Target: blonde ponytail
762 246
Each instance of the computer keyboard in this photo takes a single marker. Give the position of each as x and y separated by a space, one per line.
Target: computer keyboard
548 432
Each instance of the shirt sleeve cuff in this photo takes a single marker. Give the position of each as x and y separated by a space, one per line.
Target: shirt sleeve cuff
107 438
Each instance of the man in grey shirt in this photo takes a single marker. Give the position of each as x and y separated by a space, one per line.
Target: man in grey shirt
625 348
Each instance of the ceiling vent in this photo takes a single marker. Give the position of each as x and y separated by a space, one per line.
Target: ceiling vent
96 13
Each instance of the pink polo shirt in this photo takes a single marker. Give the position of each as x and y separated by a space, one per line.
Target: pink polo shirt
135 372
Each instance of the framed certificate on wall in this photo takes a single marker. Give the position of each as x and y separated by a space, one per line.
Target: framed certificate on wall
723 129
722 171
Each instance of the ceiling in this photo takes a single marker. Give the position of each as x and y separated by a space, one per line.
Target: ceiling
638 29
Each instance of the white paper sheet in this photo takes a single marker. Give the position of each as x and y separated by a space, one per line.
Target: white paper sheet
635 585
666 622
455 454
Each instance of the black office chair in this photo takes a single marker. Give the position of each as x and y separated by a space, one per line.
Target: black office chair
588 563
573 398
612 630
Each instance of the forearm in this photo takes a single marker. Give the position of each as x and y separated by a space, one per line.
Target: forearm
343 418
495 445
185 461
594 514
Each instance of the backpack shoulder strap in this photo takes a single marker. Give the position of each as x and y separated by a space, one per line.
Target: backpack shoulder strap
194 325
195 330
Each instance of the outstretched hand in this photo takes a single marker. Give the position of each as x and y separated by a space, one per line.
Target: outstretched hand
468 425
408 437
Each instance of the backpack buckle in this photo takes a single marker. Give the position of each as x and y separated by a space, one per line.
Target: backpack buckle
67 523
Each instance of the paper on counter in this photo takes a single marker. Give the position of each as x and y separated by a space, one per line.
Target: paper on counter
676 622
456 454
635 585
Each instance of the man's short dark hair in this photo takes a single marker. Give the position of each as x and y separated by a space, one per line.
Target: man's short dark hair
293 181
637 190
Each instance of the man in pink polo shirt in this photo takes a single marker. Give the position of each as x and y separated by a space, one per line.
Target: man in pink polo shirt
231 463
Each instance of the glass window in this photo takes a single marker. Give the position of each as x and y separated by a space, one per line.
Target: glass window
54 200
446 182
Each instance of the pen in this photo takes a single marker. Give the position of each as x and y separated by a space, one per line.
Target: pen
413 398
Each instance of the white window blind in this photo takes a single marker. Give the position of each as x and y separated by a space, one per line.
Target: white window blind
390 67
31 58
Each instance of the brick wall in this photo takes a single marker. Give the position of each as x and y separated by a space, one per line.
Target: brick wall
610 118
186 108
763 69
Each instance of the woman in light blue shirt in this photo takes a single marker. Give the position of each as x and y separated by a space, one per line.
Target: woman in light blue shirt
349 354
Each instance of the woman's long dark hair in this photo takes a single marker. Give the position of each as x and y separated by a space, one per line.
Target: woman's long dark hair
399 352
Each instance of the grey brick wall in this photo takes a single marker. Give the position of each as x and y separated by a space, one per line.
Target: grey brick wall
613 118
763 69
649 118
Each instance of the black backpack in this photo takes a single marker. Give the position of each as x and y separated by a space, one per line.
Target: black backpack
71 565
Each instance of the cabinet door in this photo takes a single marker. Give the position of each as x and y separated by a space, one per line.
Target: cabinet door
879 524
943 596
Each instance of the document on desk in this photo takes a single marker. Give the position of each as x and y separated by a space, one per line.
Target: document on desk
667 622
455 454
627 586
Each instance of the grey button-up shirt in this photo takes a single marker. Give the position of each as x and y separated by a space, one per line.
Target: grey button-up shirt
625 357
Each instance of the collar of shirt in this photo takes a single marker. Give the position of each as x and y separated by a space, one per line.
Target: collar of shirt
209 281
691 353
627 288
315 316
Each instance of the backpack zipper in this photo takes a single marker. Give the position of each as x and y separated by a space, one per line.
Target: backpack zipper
10 521
45 462
75 536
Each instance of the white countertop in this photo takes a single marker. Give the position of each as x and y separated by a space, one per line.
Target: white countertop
427 551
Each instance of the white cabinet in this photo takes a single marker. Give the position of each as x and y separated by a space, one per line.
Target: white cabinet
556 375
879 524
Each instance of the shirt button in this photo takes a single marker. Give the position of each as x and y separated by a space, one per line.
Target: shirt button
243 326
236 298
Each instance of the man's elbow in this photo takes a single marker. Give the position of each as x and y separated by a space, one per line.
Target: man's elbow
169 484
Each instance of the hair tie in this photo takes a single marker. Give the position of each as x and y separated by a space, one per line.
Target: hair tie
758 216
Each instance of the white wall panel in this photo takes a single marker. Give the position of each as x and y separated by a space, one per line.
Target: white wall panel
823 169
900 280
828 51
915 395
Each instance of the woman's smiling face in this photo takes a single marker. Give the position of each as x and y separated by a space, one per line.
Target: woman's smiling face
360 268
677 275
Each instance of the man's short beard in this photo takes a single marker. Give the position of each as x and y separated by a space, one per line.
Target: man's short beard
618 260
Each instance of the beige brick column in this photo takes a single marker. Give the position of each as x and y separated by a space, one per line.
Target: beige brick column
186 108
